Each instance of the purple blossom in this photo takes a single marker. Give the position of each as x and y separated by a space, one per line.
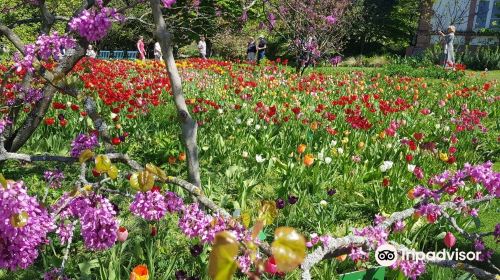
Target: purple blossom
398 226
376 235
193 221
357 254
83 142
65 231
45 47
378 219
411 269
94 24
98 223
54 178
272 20
168 3
174 202
244 263
331 20
54 274
24 225
150 205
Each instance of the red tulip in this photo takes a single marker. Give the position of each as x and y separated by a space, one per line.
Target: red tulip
115 141
50 121
449 240
63 122
95 173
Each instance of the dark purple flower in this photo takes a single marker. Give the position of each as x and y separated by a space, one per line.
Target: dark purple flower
331 192
292 199
280 203
196 250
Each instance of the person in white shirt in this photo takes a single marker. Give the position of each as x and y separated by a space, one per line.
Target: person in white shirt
202 47
90 52
157 50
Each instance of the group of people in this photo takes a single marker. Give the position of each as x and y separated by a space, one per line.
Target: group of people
256 50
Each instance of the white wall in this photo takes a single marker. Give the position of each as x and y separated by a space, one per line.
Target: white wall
447 11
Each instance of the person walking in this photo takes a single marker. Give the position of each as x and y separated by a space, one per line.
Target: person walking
449 52
251 50
202 47
261 48
157 51
140 48
90 52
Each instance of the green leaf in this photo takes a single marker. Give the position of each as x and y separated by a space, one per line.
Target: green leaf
3 181
268 211
289 248
85 267
222 260
102 163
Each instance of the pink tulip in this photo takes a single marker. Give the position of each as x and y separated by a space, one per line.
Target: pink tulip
122 234
449 240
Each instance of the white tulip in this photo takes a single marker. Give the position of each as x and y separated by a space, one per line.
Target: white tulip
386 165
411 167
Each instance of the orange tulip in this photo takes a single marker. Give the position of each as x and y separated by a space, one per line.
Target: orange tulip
314 126
308 160
301 148
140 272
410 194
182 156
341 258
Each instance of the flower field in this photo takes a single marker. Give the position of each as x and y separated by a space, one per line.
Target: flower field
327 153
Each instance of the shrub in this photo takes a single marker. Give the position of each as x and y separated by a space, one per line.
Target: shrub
480 58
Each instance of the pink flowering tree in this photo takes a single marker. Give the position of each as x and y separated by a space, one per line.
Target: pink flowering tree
313 29
25 222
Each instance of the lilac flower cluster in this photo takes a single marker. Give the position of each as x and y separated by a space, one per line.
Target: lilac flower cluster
195 223
45 48
376 235
485 175
357 254
24 225
480 247
168 3
94 24
426 193
150 205
174 202
54 274
54 178
411 269
65 231
98 223
83 142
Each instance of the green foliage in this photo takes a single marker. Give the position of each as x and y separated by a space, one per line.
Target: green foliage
386 26
480 58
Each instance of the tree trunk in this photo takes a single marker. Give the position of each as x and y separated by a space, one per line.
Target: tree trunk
35 117
188 124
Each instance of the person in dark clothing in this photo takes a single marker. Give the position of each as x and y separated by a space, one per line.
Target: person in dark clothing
251 50
261 48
